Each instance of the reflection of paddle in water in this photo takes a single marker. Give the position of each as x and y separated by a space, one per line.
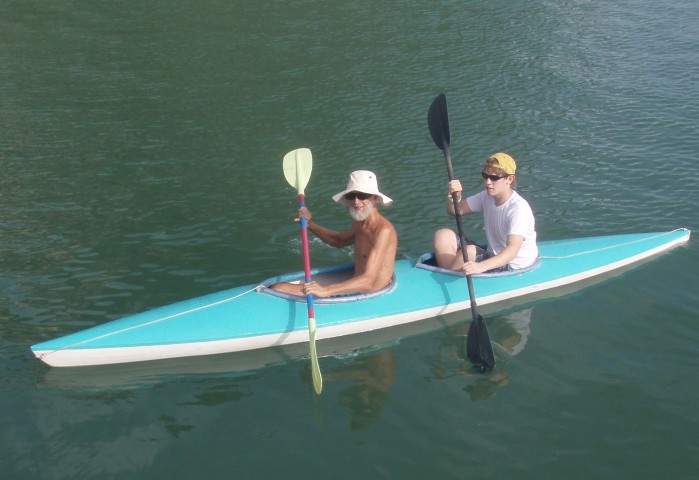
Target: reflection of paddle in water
509 332
373 374
371 378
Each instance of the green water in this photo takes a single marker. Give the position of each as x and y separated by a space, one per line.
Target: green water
140 155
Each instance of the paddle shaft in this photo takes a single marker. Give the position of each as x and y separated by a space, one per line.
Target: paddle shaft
306 255
460 228
315 367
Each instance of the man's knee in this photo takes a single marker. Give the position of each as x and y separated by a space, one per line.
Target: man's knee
444 239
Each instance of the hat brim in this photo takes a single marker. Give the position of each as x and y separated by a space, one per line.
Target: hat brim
384 200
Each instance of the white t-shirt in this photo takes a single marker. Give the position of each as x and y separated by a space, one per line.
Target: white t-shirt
514 217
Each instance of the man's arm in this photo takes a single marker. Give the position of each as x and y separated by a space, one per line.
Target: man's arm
332 237
505 256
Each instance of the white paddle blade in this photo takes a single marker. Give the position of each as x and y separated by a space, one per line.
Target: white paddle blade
315 367
297 168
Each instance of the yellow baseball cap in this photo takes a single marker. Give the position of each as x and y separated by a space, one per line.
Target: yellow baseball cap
501 161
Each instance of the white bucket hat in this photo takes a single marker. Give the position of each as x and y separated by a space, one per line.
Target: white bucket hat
362 181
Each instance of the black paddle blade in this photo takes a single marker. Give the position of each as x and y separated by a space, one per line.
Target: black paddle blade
478 347
438 121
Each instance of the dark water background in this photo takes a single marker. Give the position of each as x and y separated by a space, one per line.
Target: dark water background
140 164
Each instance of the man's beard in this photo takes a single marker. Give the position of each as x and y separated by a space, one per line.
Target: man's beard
363 215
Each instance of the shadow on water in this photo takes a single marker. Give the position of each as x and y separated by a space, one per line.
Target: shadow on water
509 334
365 377
139 375
364 380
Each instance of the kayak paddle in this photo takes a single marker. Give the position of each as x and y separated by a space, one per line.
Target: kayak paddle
478 347
297 170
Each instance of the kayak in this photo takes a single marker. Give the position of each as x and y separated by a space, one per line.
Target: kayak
256 317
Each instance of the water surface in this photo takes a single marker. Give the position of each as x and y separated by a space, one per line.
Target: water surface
141 149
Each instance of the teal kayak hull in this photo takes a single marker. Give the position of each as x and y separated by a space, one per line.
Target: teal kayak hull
256 317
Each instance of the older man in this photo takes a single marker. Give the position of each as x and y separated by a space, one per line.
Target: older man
374 238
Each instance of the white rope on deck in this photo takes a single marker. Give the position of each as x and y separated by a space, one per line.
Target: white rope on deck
152 322
631 242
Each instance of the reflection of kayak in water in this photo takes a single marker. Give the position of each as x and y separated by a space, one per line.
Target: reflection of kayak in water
257 317
369 378
514 334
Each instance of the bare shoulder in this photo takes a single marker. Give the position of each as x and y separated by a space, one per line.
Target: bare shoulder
385 225
386 232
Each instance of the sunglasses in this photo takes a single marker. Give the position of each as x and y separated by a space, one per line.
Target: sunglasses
492 178
360 195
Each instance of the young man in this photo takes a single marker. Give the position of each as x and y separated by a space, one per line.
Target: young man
509 224
374 238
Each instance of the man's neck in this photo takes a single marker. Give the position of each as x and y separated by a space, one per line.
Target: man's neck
503 197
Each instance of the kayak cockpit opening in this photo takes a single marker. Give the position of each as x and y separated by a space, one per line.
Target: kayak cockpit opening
428 262
325 275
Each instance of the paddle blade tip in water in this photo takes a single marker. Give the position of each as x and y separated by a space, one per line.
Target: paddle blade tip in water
479 350
315 366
